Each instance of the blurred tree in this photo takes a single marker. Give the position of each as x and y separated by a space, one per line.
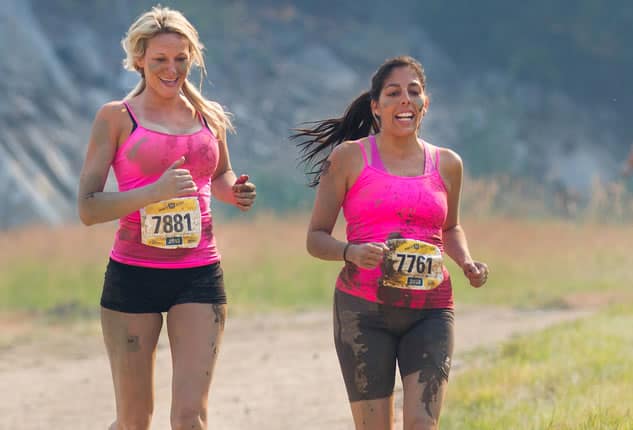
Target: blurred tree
579 46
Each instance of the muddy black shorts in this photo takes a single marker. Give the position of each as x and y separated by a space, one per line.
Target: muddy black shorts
135 289
370 338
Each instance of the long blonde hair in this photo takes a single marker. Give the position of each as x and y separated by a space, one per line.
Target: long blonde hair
164 20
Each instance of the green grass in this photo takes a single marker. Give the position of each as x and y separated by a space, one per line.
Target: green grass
298 284
575 376
266 266
522 288
52 289
544 264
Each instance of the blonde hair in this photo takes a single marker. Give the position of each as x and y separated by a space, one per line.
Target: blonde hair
164 20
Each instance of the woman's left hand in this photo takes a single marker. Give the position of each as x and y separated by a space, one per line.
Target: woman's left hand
244 193
476 272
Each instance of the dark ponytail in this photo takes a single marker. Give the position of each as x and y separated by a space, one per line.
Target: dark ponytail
356 122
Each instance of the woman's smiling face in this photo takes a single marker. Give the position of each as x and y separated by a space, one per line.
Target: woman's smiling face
402 102
166 63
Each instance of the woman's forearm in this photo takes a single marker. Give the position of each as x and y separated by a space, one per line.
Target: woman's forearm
105 206
321 244
456 245
222 187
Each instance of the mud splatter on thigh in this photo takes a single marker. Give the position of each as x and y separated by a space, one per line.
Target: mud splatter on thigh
351 338
219 310
433 375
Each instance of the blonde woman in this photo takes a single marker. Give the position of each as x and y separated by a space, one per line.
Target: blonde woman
167 147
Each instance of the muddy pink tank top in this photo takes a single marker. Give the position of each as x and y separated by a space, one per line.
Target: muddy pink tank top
140 161
381 206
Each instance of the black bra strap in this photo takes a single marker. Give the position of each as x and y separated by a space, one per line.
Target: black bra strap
129 112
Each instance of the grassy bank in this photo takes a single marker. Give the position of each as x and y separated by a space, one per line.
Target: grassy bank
533 264
576 376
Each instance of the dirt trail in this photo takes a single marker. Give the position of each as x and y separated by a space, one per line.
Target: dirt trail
283 375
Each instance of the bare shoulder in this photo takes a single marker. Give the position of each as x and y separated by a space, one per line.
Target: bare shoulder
347 156
346 150
450 160
111 122
450 166
114 113
111 109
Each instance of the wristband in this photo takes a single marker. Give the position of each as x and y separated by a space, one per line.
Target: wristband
345 252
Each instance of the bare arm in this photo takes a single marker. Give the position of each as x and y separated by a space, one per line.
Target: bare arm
338 171
226 186
95 205
454 237
327 205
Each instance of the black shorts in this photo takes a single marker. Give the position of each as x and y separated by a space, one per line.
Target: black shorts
370 338
135 289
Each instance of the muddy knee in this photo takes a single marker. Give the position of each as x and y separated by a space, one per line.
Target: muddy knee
424 422
433 375
188 418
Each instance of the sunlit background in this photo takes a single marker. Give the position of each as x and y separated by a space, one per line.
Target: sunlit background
535 97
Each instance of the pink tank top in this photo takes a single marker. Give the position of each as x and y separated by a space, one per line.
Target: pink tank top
140 161
381 206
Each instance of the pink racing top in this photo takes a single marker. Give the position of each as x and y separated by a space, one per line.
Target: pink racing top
140 161
381 206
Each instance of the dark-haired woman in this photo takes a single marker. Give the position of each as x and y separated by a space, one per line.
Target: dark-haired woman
393 302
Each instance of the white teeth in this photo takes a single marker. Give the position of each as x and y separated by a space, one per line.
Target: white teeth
404 116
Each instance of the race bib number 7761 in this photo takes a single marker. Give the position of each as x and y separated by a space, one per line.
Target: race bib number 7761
413 265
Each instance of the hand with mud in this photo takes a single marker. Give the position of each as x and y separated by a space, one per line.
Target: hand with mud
476 272
244 193
367 255
174 182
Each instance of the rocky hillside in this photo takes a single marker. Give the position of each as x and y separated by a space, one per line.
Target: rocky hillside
273 67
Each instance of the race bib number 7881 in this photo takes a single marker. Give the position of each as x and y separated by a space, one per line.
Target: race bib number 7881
174 223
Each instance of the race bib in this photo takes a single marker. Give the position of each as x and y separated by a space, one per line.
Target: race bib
412 265
169 224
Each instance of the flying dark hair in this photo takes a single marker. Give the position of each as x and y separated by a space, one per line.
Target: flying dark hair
357 122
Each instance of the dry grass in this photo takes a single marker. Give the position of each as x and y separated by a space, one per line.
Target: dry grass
537 258
247 238
605 202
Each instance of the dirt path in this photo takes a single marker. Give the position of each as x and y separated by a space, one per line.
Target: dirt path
284 375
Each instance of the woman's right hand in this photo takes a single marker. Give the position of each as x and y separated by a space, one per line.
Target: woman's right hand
367 255
174 182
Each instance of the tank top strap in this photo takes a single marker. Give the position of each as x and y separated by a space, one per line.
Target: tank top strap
130 111
430 163
376 161
359 142
437 159
203 120
132 116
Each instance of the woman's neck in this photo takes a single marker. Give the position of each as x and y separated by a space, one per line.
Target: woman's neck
400 146
153 100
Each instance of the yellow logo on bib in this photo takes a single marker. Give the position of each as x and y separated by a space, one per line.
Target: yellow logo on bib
174 223
412 265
